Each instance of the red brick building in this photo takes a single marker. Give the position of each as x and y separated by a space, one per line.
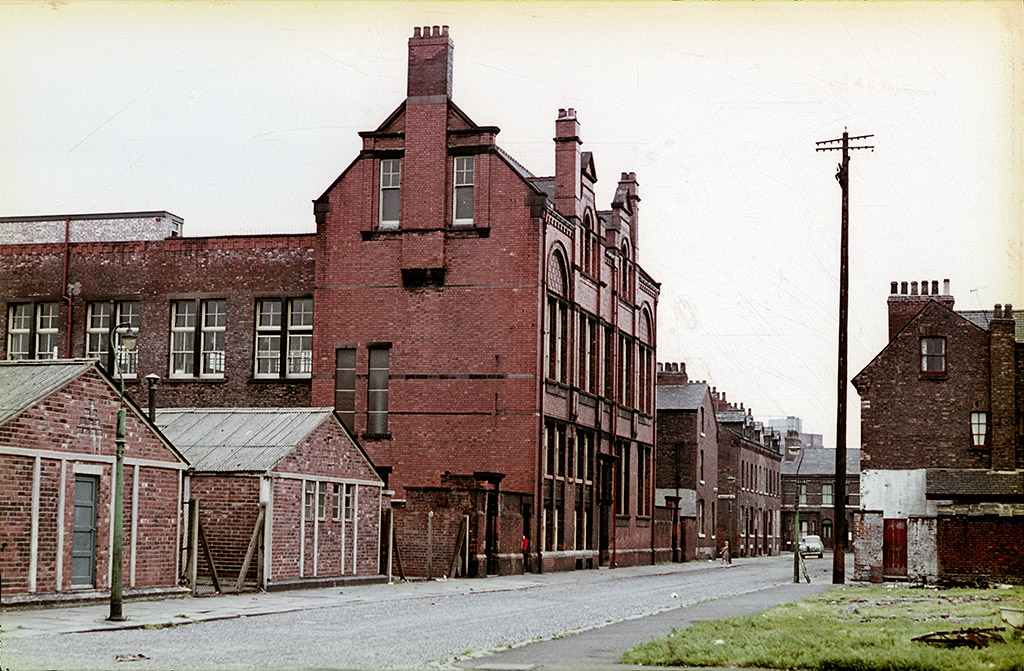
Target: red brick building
815 483
57 454
287 487
687 479
752 454
942 486
487 334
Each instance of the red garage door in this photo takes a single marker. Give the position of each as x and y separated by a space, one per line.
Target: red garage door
894 548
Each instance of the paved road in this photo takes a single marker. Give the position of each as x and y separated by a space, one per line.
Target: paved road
417 625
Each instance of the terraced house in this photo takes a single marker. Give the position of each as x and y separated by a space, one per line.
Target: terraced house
485 334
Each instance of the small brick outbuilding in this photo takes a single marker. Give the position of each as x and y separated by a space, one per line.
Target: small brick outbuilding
57 426
286 487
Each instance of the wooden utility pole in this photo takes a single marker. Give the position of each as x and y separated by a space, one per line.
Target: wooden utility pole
839 502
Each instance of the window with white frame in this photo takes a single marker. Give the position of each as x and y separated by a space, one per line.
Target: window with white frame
19 331
97 329
183 336
321 501
126 312
802 488
390 192
46 330
336 502
701 528
308 500
826 494
284 321
349 504
979 429
463 190
198 338
215 319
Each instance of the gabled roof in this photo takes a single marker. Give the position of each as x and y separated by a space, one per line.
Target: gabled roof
238 439
822 461
24 383
681 397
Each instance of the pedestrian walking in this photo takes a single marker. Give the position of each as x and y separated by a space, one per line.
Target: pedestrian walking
726 556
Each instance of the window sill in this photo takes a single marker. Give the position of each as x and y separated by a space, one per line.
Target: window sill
272 380
460 231
937 377
193 380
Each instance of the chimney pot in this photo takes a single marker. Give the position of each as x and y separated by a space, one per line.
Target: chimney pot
416 31
893 286
924 287
1008 311
913 288
998 314
935 287
945 287
903 288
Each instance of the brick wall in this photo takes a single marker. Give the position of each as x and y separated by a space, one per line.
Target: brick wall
238 269
78 421
910 420
228 508
981 548
868 535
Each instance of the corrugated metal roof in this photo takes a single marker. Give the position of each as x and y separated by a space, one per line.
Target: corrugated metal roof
822 461
23 383
681 397
238 439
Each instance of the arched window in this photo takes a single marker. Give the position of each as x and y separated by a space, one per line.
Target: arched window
625 272
557 342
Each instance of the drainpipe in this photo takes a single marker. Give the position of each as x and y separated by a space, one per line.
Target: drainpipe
538 490
615 415
65 289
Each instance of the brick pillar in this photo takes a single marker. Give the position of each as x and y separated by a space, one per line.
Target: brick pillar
1001 388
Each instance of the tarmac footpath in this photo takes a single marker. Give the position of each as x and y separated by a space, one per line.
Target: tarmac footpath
600 649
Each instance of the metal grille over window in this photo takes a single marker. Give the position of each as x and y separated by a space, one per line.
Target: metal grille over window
268 338
463 207
127 359
377 392
214 325
390 192
183 327
300 337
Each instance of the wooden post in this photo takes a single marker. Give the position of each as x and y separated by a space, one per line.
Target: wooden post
193 547
456 564
465 547
398 553
253 542
391 540
209 558
430 543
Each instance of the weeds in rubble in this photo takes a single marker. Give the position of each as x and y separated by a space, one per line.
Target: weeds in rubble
849 629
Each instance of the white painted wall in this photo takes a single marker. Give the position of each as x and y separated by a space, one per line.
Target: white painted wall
898 494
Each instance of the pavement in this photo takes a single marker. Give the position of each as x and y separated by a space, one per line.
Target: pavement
594 649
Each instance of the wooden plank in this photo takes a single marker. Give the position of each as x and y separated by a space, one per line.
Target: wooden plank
457 557
253 542
398 554
209 558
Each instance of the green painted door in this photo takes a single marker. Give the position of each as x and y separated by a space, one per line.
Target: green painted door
83 540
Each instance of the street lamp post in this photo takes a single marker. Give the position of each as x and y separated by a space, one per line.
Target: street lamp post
732 490
794 449
128 341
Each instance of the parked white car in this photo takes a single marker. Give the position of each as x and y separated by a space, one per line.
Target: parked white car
812 545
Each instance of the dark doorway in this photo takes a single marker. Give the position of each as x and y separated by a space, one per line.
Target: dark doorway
83 539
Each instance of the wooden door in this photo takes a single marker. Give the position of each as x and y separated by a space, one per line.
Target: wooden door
894 548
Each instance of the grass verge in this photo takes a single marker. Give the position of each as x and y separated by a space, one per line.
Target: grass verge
851 628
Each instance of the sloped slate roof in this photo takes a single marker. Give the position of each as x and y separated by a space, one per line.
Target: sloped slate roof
730 416
955 483
23 383
238 439
822 461
681 397
982 319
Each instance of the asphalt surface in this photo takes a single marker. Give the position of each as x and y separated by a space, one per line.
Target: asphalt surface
578 620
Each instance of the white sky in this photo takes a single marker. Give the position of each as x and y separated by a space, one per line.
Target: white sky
236 115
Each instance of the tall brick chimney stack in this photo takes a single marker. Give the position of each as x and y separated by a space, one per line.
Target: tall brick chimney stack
430 62
426 128
1001 388
625 202
567 163
907 298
